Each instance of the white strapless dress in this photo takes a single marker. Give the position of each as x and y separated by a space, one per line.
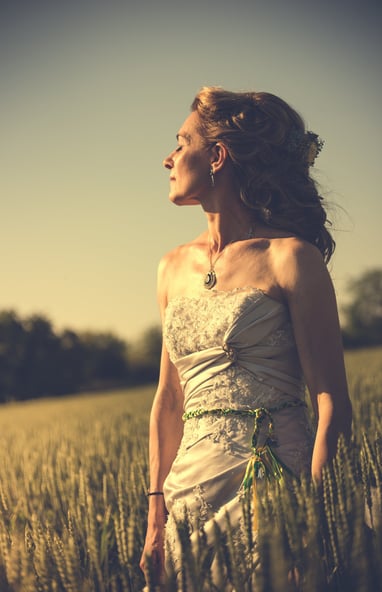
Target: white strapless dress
233 350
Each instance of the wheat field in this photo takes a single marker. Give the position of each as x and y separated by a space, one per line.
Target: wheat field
73 479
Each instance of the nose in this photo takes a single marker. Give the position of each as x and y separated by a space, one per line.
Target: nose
168 163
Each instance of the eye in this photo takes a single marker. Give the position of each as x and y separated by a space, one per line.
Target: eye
178 148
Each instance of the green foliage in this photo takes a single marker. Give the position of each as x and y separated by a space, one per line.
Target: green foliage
37 361
364 313
73 507
145 356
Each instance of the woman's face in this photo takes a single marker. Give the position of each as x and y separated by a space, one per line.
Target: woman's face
189 165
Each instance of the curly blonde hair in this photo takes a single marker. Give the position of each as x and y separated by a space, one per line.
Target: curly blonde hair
259 131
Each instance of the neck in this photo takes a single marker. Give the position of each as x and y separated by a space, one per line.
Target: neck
222 234
223 230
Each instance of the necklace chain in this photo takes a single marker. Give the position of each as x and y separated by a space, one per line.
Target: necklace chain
210 278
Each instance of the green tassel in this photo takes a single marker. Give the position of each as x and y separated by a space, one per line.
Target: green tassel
262 465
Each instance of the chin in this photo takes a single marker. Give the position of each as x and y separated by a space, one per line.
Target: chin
180 200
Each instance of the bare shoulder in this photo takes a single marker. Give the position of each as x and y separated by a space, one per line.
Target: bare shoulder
168 260
173 264
166 270
297 264
172 260
293 248
300 271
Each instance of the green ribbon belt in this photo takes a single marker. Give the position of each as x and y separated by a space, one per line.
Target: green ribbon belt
263 462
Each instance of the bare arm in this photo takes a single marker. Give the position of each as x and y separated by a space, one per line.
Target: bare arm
166 429
166 425
313 308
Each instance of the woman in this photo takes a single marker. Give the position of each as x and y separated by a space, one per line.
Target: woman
249 317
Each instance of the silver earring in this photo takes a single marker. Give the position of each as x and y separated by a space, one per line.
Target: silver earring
212 177
267 214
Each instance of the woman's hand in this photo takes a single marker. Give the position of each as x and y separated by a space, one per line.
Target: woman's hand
152 560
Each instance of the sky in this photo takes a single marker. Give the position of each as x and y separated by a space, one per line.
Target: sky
92 95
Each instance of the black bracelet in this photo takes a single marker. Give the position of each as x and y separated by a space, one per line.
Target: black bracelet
154 493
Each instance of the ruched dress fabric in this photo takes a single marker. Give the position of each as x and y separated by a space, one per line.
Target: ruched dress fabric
236 350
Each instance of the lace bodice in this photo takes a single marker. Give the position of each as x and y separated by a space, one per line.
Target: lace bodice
237 347
196 323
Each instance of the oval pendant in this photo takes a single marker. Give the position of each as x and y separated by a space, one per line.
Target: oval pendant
210 279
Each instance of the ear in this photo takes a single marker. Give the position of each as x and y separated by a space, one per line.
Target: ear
219 155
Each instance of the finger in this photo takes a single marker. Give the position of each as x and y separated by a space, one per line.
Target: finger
156 558
152 562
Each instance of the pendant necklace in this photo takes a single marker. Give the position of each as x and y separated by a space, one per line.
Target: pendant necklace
210 278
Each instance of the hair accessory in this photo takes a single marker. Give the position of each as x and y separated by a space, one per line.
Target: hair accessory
315 145
212 177
154 493
306 145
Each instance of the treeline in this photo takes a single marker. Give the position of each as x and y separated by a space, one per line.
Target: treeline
36 360
363 313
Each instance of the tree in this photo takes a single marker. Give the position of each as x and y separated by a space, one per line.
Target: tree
12 345
38 371
36 361
72 363
105 359
364 313
145 356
